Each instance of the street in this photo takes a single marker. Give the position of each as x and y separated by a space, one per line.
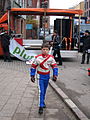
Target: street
75 82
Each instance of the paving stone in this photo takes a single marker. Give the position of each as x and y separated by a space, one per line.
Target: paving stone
7 113
20 116
36 119
23 109
34 114
51 111
56 114
5 118
53 118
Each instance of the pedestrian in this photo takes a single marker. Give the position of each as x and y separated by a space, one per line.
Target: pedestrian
42 63
56 47
5 42
86 47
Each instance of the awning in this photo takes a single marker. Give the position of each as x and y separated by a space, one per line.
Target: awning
4 25
49 12
4 18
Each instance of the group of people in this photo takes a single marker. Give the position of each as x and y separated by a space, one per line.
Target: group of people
43 62
86 47
5 42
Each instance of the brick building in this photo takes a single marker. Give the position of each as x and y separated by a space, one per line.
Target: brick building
87 9
18 22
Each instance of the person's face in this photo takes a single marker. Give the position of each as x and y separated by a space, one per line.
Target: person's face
54 34
45 51
86 33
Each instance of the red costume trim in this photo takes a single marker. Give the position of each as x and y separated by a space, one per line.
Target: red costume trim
54 65
43 73
34 66
42 64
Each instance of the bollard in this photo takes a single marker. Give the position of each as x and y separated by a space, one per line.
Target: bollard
88 71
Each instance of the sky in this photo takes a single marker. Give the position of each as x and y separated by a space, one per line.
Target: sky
62 4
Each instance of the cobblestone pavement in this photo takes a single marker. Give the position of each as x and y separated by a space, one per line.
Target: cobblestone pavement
19 96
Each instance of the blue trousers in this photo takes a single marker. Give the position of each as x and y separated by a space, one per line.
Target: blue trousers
43 84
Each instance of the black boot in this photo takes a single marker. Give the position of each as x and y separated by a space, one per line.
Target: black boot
40 110
44 105
87 62
60 63
82 62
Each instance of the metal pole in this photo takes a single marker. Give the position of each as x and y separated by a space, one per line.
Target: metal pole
79 35
8 21
45 3
70 33
44 22
61 30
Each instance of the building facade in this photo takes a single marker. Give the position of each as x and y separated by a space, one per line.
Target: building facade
18 22
87 9
3 6
79 6
36 22
83 18
43 19
32 21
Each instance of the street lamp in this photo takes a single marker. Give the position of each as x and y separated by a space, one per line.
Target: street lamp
44 5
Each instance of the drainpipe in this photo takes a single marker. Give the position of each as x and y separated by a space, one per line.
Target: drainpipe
79 35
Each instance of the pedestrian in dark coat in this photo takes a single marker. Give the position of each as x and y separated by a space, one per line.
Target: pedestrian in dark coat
86 47
56 47
5 42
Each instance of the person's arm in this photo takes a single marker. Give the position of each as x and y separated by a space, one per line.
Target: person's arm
8 38
33 70
55 69
51 42
57 41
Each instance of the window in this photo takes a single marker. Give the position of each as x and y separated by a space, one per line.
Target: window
89 13
87 5
30 2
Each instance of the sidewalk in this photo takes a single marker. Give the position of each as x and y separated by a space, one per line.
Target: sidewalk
19 96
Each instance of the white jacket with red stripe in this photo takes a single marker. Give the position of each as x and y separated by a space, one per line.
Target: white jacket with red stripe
44 63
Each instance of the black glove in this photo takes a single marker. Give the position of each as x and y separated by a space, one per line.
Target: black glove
33 79
54 78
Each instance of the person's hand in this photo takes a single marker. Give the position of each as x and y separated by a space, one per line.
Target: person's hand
51 43
54 78
33 79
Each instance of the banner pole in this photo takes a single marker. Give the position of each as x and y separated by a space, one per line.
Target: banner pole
8 21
